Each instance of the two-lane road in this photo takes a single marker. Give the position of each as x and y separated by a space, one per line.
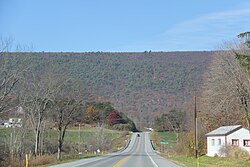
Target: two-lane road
139 153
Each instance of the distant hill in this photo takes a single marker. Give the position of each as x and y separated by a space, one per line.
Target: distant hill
142 84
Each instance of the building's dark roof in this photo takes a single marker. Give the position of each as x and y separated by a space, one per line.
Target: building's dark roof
4 121
224 130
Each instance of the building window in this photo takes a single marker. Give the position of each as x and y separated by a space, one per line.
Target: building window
213 142
246 143
219 141
235 142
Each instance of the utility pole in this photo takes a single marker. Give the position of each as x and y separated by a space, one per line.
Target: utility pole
195 129
79 144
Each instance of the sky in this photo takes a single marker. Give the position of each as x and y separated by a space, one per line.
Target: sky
123 25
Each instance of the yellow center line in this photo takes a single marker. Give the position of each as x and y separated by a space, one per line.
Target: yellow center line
127 157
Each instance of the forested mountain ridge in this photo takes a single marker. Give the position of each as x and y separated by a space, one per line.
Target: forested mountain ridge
142 84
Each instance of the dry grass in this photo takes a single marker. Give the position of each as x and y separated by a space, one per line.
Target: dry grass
235 152
42 160
120 142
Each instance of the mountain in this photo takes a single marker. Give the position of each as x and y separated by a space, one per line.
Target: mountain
142 84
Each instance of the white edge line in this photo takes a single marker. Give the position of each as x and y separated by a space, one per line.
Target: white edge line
148 154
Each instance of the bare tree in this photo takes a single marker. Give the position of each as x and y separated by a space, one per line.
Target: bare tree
67 107
9 75
17 140
40 93
226 94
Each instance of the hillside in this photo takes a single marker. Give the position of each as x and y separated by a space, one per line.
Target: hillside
141 84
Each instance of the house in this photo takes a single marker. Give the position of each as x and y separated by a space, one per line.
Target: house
2 122
13 122
227 136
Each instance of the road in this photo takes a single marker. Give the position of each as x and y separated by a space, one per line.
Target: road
139 153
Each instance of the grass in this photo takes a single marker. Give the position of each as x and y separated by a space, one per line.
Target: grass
206 161
167 136
72 135
4 132
119 143
45 161
158 137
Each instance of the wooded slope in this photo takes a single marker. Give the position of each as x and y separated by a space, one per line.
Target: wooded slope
136 83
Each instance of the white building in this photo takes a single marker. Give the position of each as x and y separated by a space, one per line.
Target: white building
227 136
13 122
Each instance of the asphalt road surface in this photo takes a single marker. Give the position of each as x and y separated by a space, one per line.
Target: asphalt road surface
139 153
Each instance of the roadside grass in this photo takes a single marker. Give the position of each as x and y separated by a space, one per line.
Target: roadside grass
157 137
120 142
206 161
167 136
49 160
203 161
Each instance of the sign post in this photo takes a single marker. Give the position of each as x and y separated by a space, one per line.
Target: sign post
163 143
27 161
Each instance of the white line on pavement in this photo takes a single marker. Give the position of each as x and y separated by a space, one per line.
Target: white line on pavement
148 154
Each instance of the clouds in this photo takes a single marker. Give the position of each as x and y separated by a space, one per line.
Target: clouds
205 32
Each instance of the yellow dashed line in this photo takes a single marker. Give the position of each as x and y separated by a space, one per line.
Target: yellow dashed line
126 158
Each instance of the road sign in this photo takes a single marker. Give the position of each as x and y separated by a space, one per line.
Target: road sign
164 142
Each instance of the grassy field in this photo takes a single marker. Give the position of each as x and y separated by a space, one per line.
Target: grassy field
203 161
167 136
72 134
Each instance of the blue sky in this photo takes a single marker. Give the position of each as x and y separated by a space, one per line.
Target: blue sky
123 25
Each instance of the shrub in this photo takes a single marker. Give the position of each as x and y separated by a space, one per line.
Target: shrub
50 146
125 133
122 127
4 155
186 144
235 152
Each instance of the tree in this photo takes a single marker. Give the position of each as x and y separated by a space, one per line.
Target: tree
92 114
113 118
16 142
67 107
39 96
245 36
10 75
226 93
174 120
65 111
